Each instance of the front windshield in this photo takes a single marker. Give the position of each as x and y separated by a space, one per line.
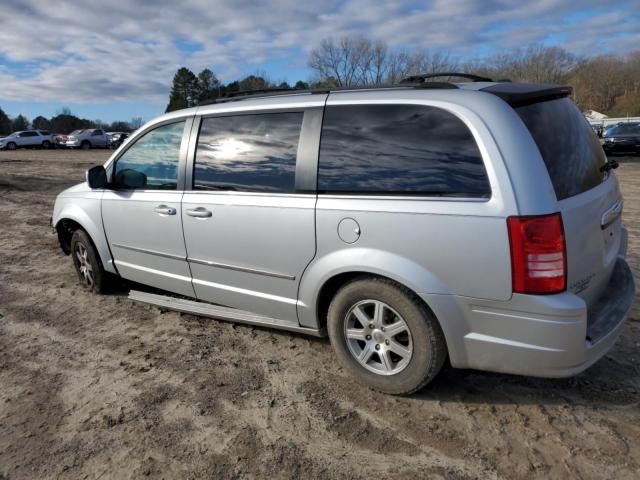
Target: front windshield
76 132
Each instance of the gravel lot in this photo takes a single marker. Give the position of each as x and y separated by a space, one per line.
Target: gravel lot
102 387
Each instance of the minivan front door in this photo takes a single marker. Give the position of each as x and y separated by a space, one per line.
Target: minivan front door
141 213
249 231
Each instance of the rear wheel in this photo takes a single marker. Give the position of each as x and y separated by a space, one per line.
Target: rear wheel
85 145
88 265
385 336
46 144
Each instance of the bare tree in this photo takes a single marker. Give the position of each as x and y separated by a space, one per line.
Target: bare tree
342 60
427 61
598 82
373 63
400 65
536 64
357 61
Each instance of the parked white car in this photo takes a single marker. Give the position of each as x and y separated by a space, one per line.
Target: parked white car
86 139
26 138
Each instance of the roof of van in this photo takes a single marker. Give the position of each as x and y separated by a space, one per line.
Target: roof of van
515 94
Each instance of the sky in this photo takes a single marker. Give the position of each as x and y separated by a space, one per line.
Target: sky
115 60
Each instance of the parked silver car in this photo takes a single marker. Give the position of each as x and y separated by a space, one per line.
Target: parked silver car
479 222
85 139
26 138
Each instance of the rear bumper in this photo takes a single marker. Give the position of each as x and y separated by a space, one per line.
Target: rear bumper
541 336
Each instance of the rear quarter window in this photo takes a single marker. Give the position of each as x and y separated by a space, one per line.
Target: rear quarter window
400 150
569 147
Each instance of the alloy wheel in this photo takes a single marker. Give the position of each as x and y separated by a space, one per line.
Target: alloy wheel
85 268
378 337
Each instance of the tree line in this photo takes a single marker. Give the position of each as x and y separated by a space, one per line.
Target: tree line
607 83
189 89
63 122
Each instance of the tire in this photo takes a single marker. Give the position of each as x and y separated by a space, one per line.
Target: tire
85 145
46 144
11 146
87 263
424 348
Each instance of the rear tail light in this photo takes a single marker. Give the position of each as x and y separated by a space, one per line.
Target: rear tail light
538 254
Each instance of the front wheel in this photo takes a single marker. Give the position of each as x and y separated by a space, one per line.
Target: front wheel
385 336
85 145
87 262
11 146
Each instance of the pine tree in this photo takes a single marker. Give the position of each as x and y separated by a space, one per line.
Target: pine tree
5 123
20 123
184 91
208 85
41 123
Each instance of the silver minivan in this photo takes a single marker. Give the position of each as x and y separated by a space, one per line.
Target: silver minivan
478 222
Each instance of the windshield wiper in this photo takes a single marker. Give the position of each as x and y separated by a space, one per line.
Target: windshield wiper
610 165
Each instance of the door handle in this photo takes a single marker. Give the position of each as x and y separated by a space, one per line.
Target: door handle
164 210
199 212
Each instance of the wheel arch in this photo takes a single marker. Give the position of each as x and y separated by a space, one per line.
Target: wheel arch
72 218
329 289
326 275
65 228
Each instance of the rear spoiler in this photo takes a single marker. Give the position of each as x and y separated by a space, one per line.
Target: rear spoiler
521 94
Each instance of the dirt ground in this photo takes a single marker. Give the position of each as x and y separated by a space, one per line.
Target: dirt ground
102 387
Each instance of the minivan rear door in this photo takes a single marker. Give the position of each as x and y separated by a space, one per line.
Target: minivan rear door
588 195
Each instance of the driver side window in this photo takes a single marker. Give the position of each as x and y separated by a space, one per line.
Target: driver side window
151 163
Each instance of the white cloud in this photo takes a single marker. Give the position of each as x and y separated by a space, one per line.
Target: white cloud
95 51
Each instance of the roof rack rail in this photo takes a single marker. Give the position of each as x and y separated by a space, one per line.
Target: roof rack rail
415 81
263 92
422 77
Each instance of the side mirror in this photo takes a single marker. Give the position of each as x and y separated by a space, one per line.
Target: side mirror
130 179
97 177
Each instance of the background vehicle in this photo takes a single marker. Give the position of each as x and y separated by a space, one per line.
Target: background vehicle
622 138
27 138
86 139
598 129
409 223
117 138
58 139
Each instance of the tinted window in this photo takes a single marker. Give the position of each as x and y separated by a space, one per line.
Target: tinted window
29 134
44 133
248 153
152 161
626 128
569 148
403 149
